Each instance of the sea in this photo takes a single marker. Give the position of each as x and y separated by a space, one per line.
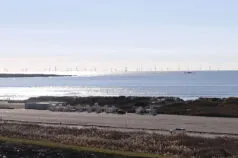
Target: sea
186 85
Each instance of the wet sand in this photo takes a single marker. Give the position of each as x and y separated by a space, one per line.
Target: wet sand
134 121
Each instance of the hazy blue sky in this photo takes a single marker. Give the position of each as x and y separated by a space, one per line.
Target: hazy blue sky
115 33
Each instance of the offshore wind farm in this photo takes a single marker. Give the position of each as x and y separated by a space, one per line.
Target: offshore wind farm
103 79
94 71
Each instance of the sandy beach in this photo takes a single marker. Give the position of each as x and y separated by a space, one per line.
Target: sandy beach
133 121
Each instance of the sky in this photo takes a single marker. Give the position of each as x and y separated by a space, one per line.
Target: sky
112 34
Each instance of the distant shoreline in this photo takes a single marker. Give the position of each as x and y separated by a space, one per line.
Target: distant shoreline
8 75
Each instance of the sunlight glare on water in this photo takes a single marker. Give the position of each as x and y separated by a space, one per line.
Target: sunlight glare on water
186 86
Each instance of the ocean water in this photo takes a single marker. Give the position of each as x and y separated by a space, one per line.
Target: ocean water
179 84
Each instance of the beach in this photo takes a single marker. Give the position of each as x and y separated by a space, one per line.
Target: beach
204 125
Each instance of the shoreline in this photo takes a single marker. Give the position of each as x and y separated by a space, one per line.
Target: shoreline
210 107
22 75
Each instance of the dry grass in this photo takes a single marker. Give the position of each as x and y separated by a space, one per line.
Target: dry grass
126 141
52 145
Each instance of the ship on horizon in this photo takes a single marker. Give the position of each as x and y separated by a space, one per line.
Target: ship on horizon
188 72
